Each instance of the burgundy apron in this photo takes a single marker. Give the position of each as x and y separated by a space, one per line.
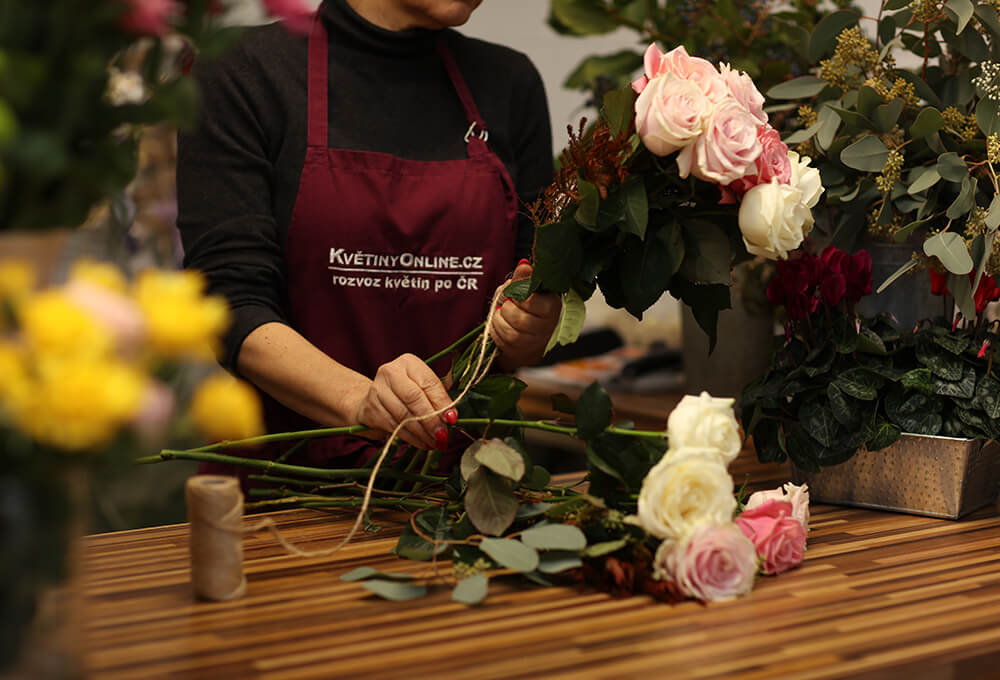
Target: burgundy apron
386 256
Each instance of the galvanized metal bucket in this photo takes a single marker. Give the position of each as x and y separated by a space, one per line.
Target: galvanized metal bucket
919 474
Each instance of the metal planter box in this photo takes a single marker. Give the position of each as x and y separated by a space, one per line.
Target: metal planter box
919 474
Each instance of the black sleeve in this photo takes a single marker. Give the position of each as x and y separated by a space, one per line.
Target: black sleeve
532 144
224 192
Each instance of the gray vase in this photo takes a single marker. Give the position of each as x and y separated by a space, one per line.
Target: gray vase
908 298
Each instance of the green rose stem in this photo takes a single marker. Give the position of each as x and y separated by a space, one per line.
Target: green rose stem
455 345
347 503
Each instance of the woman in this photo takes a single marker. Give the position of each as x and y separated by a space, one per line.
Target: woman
354 194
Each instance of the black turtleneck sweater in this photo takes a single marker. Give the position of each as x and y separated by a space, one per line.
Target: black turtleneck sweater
238 173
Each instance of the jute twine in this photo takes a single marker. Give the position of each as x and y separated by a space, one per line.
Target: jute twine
215 508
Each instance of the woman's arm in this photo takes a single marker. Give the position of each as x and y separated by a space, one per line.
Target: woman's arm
291 369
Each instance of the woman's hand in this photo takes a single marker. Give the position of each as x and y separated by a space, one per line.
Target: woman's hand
522 329
402 388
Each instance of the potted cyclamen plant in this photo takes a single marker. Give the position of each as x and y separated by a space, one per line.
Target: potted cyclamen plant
872 414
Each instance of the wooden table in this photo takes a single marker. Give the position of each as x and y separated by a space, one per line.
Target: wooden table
879 595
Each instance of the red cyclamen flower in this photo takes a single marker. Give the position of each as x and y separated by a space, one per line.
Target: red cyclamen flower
986 293
149 17
939 282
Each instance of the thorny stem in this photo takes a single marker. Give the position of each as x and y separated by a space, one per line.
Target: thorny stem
455 345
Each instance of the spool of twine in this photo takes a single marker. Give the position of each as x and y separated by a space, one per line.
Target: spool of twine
215 513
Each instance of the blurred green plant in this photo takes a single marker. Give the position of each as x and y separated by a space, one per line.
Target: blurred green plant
767 39
904 129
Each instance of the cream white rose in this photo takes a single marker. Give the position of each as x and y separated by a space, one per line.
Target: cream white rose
774 219
670 113
805 178
705 421
683 491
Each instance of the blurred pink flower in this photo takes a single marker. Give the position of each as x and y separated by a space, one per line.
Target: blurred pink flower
149 17
779 538
116 312
714 563
296 14
154 415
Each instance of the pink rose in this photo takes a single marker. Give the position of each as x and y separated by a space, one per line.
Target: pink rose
716 562
669 113
116 312
149 17
296 14
798 496
727 150
743 90
678 62
779 538
154 414
773 162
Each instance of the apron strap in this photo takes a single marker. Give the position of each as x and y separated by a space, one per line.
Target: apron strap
477 134
317 92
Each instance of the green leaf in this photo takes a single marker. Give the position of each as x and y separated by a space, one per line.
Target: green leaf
847 412
829 123
927 122
955 344
920 379
924 91
961 290
988 18
593 411
966 199
923 178
853 118
537 478
510 553
471 590
583 17
962 389
892 5
859 383
636 206
800 136
797 88
596 461
988 396
558 255
883 434
907 266
993 216
490 502
943 365
818 422
558 562
393 590
469 464
571 318
616 67
619 108
554 537
531 510
959 11
503 391
824 37
886 115
705 302
518 290
501 459
868 100
868 154
588 205
563 404
410 546
949 247
951 167
708 253
362 573
645 271
605 548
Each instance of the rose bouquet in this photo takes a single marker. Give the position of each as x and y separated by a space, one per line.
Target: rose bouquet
842 382
89 373
680 179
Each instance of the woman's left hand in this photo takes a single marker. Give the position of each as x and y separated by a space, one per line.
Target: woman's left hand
521 330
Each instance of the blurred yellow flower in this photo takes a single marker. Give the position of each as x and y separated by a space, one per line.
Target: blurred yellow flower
181 321
53 326
101 274
80 404
17 279
15 382
225 408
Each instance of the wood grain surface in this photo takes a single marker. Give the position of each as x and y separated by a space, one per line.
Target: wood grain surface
879 596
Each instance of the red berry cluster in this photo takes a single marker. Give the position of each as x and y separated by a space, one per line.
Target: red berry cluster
802 283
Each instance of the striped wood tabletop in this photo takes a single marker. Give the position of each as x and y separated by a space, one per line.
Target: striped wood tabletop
879 595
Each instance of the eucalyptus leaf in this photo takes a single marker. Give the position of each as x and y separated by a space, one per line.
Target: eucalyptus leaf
490 502
558 562
554 537
829 122
966 199
605 548
886 115
959 11
951 167
362 573
797 88
468 464
501 459
510 553
927 177
961 290
993 215
393 590
868 154
950 249
531 510
824 36
907 266
471 590
928 121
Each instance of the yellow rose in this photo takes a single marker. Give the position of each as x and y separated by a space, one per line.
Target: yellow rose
225 408
82 404
687 489
17 279
180 320
53 326
100 274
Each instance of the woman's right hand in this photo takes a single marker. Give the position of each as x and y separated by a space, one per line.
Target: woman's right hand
402 388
